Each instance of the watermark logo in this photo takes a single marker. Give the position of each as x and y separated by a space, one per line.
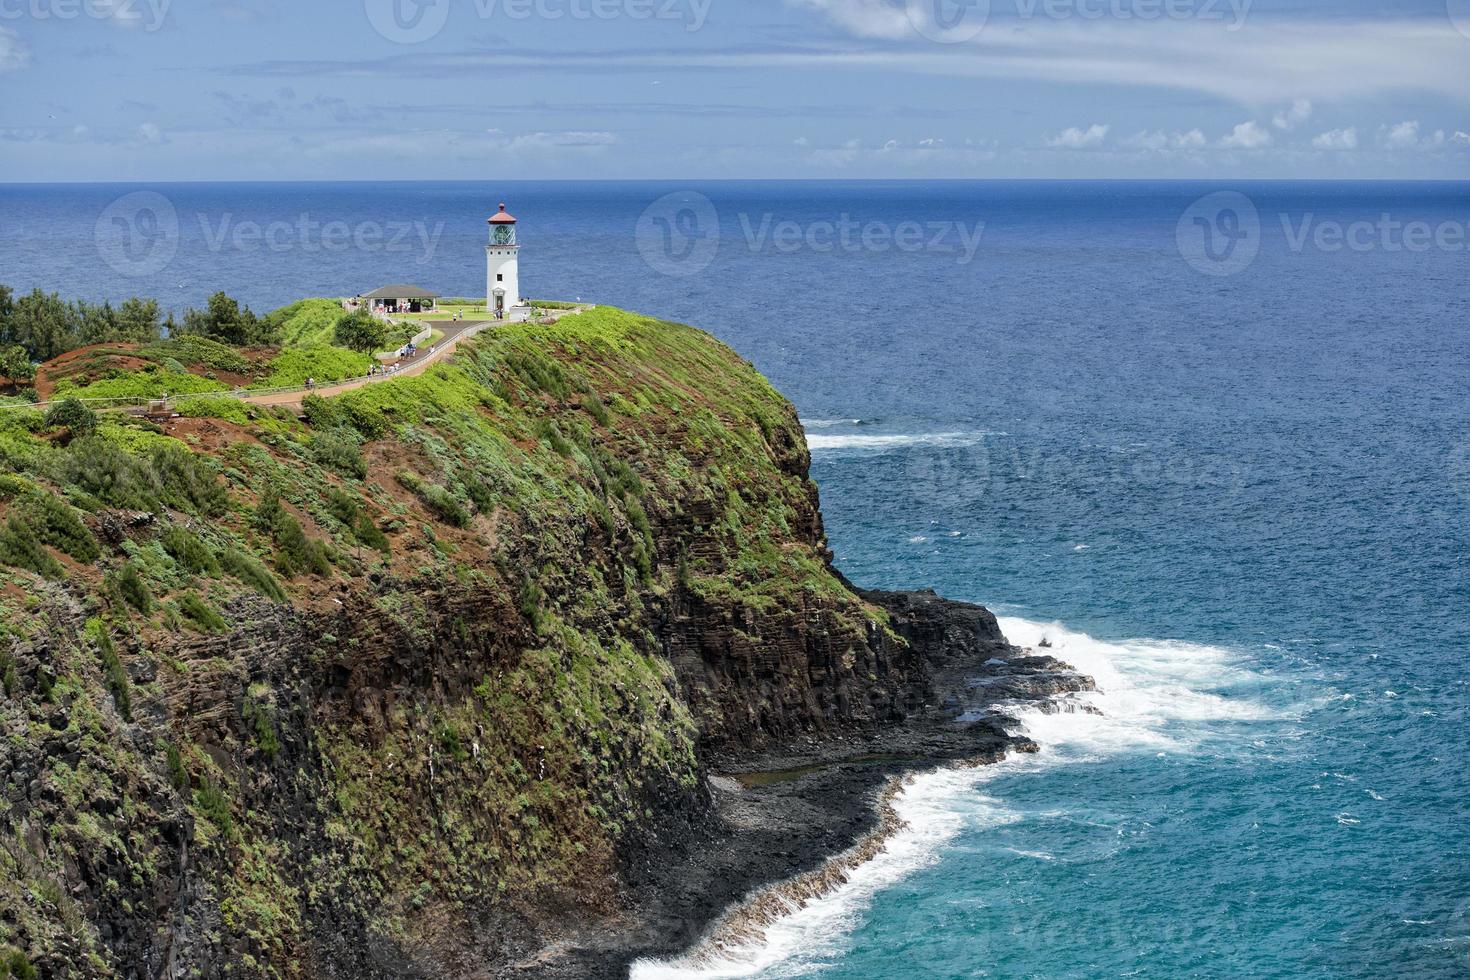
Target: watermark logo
138 234
1385 234
407 21
948 21
417 21
1220 234
148 15
1459 11
679 234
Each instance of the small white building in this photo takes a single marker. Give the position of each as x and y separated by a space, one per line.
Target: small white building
503 264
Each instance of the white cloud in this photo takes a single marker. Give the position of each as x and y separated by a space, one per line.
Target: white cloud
1300 112
1402 136
1159 140
1461 138
15 53
1337 139
150 133
1079 139
1406 136
1249 135
1313 59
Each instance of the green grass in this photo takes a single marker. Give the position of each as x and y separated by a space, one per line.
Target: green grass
322 363
307 322
140 384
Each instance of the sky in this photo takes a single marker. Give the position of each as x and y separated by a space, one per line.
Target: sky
114 90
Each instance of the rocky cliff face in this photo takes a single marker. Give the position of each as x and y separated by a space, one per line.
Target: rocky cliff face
416 686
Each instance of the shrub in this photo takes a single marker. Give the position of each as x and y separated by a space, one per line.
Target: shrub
104 470
134 590
178 776
595 408
186 548
116 675
20 548
201 614
348 510
188 482
323 414
295 552
361 331
340 449
439 500
214 806
18 966
252 573
56 523
74 415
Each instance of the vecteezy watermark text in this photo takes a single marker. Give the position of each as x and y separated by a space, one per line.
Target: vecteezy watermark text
146 14
957 21
417 21
1221 234
139 234
680 235
847 234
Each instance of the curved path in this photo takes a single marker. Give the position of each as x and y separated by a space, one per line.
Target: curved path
454 332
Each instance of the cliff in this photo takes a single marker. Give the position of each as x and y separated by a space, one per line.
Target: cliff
425 682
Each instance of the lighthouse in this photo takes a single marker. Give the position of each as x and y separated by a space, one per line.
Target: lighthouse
503 265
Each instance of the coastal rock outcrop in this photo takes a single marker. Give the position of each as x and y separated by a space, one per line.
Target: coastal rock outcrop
432 679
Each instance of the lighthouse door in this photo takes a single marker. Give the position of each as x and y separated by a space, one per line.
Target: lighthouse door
499 303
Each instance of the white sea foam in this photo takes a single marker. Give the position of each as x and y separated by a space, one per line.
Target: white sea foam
1156 696
886 443
828 423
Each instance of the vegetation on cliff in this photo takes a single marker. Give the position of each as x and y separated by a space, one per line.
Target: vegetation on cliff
340 689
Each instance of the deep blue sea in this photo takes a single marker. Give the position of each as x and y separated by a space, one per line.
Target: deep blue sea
1215 451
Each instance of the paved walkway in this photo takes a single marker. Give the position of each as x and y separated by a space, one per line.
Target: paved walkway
454 332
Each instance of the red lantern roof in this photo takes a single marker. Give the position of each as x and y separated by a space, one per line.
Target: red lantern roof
502 218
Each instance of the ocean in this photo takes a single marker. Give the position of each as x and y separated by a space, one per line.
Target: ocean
1207 440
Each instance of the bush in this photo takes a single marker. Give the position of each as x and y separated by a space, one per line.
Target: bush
104 470
348 510
18 966
361 331
201 614
595 408
188 482
134 590
296 554
252 573
20 548
74 415
186 548
340 449
116 675
439 500
214 806
57 524
178 776
323 414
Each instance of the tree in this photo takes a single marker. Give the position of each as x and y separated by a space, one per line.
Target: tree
223 319
137 321
41 324
15 364
362 332
73 414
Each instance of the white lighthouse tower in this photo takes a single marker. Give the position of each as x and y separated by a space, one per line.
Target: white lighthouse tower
503 265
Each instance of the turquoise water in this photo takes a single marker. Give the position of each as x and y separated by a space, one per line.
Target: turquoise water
1242 502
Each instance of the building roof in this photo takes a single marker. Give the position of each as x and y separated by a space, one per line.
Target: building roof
400 292
502 218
